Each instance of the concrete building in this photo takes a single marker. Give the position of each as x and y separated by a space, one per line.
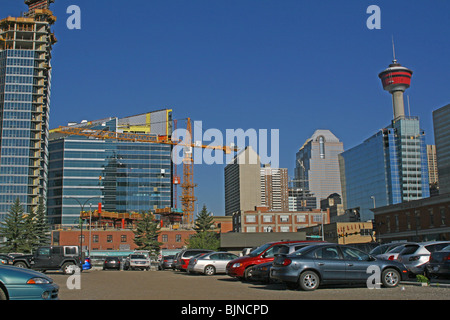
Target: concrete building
243 182
391 166
260 219
441 122
317 165
274 188
123 176
301 200
25 79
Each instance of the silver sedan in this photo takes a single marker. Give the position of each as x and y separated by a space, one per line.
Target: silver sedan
210 263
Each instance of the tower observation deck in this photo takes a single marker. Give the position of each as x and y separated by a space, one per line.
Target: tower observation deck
396 79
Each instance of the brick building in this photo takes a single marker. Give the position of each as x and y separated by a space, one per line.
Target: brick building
419 220
123 239
263 220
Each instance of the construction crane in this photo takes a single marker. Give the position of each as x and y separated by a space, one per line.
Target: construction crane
188 196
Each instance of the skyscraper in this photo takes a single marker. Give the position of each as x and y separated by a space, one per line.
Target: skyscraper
391 166
25 76
441 122
317 165
243 182
124 176
275 188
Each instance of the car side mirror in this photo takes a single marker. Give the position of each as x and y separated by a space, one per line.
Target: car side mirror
371 258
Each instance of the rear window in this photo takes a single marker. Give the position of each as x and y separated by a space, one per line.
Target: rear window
436 247
137 256
410 249
190 254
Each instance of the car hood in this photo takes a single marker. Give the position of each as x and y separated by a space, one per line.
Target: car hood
243 259
11 274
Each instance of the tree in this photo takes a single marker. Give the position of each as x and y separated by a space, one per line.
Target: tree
13 229
204 238
146 234
204 221
42 229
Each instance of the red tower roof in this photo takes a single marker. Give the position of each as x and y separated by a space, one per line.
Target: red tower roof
396 77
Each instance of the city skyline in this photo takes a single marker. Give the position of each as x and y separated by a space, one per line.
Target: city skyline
296 66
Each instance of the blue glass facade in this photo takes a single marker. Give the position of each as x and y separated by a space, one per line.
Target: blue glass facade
123 176
388 168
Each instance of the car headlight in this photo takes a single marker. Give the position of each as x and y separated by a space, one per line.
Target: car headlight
38 280
237 265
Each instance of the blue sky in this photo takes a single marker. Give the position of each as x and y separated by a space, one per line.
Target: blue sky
291 65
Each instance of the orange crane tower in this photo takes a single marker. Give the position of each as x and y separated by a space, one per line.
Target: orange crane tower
188 196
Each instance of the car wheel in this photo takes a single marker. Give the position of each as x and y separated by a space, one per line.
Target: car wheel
21 265
3 295
69 268
210 270
309 281
390 278
248 273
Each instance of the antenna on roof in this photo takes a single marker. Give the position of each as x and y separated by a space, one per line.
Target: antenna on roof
393 49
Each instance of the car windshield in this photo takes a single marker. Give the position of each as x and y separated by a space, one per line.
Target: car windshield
259 250
137 256
396 249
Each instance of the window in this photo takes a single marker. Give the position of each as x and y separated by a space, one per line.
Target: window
284 229
329 253
408 221
109 238
442 211
417 213
284 218
431 213
354 254
95 238
81 239
317 218
165 238
251 229
178 238
267 218
250 218
268 229
43 252
123 238
301 218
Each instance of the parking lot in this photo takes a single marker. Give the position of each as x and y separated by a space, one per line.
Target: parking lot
176 285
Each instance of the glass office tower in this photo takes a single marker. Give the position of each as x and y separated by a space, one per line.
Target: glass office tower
388 168
25 75
317 165
123 176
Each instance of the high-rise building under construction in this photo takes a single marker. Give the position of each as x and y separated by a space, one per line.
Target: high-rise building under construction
25 75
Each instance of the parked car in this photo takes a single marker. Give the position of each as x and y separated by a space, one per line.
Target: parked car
210 263
137 261
185 255
384 248
415 256
175 260
318 264
23 284
242 267
6 259
65 258
111 263
261 272
439 264
166 262
391 254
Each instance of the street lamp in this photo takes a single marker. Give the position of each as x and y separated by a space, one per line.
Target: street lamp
81 220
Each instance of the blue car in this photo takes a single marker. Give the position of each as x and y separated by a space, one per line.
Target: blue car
312 266
24 284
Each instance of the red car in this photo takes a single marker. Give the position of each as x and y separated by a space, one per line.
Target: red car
241 267
183 258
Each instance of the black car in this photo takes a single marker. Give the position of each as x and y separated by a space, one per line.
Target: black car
166 262
325 263
111 263
439 264
6 259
